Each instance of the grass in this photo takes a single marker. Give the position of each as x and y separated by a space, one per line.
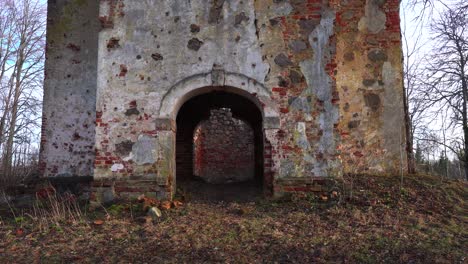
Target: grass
423 222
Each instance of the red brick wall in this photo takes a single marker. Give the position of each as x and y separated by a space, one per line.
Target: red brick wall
224 148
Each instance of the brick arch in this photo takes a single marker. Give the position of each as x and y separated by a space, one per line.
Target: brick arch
218 80
199 110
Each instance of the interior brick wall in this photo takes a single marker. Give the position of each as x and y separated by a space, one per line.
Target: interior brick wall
224 148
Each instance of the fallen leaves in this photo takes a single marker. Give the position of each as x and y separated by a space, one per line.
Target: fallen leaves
98 222
149 203
177 204
376 226
166 205
19 232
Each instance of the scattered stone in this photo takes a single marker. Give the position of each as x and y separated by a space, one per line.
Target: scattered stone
166 205
346 107
93 205
154 213
107 196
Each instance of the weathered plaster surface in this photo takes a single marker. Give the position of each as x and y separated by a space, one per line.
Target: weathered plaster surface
320 85
326 76
69 114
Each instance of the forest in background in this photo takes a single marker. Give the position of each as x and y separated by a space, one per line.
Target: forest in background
435 48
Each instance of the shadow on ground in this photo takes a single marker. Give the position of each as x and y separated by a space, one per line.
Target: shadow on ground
199 191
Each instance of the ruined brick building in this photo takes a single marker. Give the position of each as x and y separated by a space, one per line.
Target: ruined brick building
141 95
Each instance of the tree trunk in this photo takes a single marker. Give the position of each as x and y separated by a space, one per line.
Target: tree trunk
3 119
465 125
409 135
14 113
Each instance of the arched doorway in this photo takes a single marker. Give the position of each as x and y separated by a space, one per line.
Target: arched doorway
239 88
220 141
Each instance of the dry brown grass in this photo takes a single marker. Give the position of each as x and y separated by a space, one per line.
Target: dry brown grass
424 221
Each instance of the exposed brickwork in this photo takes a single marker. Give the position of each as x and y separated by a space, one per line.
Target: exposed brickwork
224 149
299 104
325 77
366 98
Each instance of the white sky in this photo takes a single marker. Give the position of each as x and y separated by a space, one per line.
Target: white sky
416 24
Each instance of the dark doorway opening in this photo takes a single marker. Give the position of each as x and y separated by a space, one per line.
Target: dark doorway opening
219 147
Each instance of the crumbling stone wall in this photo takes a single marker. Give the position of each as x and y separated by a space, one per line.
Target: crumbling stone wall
326 75
369 83
69 112
224 149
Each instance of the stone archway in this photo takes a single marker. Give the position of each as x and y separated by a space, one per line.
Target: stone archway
216 81
219 147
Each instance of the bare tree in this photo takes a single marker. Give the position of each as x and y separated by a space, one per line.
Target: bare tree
7 43
446 82
22 49
416 110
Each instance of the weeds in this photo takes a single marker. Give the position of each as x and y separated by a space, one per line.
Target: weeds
383 223
51 209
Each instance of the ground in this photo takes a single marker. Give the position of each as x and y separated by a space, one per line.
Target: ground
363 219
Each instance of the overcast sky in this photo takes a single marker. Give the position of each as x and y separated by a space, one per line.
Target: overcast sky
415 23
